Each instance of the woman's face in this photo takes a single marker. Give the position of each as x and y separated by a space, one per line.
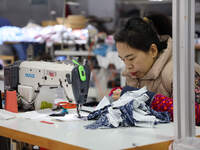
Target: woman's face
137 61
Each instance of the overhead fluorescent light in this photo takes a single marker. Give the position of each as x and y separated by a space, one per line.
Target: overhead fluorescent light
73 3
156 0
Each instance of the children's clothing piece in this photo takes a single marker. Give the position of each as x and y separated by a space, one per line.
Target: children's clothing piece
130 95
162 103
129 110
149 93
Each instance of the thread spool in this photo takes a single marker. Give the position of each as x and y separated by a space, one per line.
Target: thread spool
11 101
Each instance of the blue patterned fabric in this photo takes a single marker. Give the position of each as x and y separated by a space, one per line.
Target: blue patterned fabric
127 115
163 116
96 114
129 88
101 122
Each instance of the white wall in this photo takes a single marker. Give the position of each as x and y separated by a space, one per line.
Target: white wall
102 8
19 12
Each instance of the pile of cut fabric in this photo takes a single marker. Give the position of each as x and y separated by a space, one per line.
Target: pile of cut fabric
131 109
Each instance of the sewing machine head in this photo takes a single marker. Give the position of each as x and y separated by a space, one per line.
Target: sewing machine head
27 77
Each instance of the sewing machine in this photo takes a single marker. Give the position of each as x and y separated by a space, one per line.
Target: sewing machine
27 77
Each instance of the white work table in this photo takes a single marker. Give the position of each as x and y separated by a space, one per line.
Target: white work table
73 135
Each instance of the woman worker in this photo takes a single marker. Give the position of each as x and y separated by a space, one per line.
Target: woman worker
148 58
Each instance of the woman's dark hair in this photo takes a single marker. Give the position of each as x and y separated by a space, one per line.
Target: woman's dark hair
140 34
162 23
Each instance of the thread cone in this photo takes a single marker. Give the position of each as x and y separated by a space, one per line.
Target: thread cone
11 101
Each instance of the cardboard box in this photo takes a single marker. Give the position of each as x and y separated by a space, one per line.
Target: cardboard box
73 21
7 60
48 23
